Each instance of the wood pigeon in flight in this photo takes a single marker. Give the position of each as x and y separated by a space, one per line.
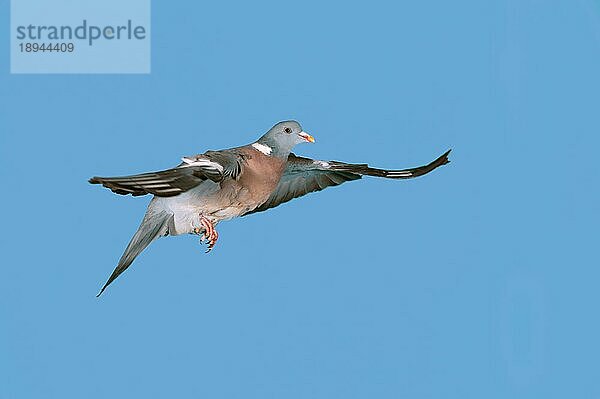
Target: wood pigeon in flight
208 188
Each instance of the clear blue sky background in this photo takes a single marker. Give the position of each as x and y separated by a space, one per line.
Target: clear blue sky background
479 280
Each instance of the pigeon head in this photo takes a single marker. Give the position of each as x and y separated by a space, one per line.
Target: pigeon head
282 137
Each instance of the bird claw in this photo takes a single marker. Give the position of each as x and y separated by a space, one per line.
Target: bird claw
209 234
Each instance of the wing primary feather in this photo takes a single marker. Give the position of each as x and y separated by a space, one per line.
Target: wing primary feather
305 175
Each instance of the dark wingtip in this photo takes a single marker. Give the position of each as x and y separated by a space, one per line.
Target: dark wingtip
440 161
94 180
101 291
110 280
444 157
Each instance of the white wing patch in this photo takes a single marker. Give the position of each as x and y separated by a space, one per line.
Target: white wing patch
322 164
399 173
202 162
265 149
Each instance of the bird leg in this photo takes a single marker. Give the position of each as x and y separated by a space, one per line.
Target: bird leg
209 235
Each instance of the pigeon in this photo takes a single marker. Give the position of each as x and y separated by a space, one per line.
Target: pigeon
205 189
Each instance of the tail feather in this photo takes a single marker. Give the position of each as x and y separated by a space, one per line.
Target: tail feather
153 226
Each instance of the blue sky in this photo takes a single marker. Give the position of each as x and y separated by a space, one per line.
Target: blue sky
475 281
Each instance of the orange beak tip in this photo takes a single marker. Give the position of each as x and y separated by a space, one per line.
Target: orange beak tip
307 137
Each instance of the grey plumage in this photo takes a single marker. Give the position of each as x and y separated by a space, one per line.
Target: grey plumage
153 225
205 189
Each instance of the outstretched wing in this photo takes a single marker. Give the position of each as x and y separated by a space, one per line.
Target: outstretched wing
212 165
305 175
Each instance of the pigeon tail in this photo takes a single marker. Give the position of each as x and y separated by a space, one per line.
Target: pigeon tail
154 225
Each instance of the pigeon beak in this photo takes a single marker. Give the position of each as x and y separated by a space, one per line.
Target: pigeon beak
307 137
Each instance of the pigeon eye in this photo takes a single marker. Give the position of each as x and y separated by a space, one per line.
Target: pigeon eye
287 130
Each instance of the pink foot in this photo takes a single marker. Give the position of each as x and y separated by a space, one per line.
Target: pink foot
209 235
